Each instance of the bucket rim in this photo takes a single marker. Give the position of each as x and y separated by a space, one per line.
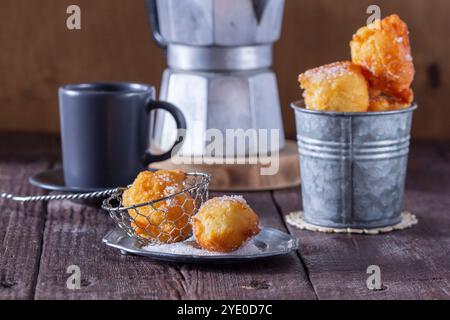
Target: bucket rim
298 106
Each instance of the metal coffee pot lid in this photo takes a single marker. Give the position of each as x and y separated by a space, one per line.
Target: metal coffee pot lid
217 34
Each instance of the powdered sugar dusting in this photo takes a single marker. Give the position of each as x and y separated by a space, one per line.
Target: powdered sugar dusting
238 198
171 189
329 72
190 247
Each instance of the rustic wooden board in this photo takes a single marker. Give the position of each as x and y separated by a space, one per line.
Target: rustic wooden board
414 263
73 235
21 226
244 177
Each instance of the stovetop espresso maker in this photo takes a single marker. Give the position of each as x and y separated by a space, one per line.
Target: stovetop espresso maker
219 54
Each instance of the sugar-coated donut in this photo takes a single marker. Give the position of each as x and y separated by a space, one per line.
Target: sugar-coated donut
382 102
166 221
383 50
340 86
224 224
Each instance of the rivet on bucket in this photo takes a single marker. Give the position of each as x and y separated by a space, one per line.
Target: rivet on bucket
353 166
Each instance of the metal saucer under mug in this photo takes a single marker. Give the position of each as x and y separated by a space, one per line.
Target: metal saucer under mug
353 166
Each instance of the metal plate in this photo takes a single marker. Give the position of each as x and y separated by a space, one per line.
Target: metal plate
53 180
270 242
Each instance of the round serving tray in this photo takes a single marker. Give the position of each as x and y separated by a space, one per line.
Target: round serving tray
268 243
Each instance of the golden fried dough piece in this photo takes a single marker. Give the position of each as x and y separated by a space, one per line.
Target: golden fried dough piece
224 224
166 221
339 86
384 103
380 102
383 50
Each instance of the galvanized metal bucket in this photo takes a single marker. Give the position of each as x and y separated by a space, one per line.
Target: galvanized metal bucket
353 166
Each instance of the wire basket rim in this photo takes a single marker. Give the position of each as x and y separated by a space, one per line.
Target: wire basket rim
106 205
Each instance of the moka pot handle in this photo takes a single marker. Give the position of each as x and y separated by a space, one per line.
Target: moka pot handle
154 23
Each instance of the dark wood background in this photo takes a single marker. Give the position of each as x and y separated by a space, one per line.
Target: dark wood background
38 53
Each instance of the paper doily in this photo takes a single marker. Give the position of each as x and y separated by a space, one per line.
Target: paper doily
296 219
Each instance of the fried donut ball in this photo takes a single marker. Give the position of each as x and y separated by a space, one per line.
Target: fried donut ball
385 103
339 86
383 50
166 221
224 224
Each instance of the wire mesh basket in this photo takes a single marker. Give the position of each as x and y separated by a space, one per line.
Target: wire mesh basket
166 220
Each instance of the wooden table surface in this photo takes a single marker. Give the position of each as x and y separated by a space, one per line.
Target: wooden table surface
39 241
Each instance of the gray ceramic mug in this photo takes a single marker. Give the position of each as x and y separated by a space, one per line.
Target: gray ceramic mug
105 132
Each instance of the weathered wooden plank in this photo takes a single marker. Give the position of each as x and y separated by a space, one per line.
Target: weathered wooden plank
429 167
25 148
414 263
73 235
21 226
444 150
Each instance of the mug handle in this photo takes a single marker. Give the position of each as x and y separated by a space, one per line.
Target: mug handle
180 121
